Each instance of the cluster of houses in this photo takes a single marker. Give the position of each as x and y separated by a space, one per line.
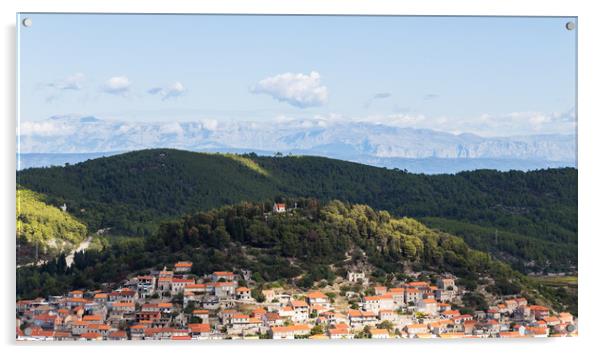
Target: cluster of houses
175 305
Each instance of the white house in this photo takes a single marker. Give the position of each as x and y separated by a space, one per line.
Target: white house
416 329
289 332
279 208
356 276
318 298
301 311
428 306
183 267
227 276
178 285
225 289
243 293
377 303
359 319
377 333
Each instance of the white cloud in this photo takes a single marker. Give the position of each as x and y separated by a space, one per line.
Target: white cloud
46 129
568 116
173 90
299 90
117 85
280 119
209 124
397 120
521 123
123 129
73 82
171 128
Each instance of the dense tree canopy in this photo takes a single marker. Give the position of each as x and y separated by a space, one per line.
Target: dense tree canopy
305 241
534 214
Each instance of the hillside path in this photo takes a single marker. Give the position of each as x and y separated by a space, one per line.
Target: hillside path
82 247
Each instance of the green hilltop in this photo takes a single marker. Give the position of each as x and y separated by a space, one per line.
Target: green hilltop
526 218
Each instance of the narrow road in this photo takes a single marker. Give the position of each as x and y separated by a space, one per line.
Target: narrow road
69 259
82 247
39 263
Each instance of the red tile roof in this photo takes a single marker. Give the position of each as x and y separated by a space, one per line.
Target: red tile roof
118 334
297 303
316 295
199 327
377 331
181 337
292 328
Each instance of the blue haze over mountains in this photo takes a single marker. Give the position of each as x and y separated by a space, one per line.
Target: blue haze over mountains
70 139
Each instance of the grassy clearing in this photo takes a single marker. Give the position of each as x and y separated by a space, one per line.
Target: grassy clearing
247 162
558 281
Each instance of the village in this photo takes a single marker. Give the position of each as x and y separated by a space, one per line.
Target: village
173 304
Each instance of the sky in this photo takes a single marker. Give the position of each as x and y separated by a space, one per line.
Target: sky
488 76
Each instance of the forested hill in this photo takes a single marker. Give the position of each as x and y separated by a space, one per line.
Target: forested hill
534 214
305 246
44 230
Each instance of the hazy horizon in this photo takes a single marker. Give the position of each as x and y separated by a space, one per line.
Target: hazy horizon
336 86
500 75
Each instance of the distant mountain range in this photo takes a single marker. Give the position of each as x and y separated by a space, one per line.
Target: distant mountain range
417 150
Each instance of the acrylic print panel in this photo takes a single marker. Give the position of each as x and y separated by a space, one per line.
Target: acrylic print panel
187 177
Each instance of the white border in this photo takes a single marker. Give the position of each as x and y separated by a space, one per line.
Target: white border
590 24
